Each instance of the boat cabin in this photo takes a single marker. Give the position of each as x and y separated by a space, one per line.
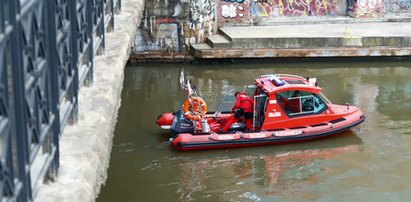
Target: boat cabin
285 101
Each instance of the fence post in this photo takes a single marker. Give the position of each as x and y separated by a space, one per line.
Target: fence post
19 122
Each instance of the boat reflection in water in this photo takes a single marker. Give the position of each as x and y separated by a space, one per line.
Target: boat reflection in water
264 173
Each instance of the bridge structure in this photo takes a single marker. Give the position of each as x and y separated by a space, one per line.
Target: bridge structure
46 55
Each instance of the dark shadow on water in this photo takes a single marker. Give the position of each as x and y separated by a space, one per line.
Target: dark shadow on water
305 60
314 62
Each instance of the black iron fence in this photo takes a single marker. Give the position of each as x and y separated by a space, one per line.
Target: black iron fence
46 54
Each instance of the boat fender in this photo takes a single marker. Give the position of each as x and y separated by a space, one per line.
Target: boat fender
194 108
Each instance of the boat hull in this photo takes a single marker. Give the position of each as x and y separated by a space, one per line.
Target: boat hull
187 141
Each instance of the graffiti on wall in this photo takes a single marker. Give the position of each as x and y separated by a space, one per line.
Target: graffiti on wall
274 8
158 34
367 8
350 6
167 37
233 11
172 25
397 6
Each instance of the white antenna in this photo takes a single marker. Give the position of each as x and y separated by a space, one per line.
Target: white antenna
182 79
189 89
186 85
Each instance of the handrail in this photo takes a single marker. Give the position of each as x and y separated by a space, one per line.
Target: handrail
290 75
38 97
281 75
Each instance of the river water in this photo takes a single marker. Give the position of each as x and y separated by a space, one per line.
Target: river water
370 162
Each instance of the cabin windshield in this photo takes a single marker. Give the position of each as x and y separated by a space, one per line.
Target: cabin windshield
297 102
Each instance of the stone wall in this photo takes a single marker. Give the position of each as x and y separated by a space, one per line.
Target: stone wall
287 8
171 25
377 8
397 6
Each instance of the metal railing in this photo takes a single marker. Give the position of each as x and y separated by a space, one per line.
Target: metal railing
46 54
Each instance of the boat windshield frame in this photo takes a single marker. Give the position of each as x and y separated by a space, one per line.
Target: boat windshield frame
324 98
259 111
250 89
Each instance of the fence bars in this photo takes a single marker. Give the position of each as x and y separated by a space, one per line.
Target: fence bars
46 54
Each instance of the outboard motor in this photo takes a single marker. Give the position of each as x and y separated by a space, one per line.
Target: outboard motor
239 126
181 124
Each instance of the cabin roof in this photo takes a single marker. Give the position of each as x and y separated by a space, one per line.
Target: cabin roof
291 82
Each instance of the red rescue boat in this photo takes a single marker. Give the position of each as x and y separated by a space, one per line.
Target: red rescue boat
287 108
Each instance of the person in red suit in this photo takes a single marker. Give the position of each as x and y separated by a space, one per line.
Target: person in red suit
243 108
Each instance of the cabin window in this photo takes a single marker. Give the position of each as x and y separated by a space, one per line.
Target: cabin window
298 102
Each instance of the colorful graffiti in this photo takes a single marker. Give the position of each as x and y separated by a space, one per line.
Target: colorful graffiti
368 9
376 8
397 6
173 25
274 8
233 11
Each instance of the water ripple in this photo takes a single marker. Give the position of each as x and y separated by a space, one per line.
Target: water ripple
153 165
250 195
126 147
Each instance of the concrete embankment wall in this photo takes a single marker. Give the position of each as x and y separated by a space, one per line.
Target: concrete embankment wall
177 31
86 145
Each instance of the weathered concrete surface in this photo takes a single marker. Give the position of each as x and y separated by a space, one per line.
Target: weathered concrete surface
85 146
389 17
309 40
164 57
210 53
219 41
319 35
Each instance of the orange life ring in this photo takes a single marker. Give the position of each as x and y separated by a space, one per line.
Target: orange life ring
192 109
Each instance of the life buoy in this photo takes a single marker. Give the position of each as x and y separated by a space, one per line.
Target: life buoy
194 108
